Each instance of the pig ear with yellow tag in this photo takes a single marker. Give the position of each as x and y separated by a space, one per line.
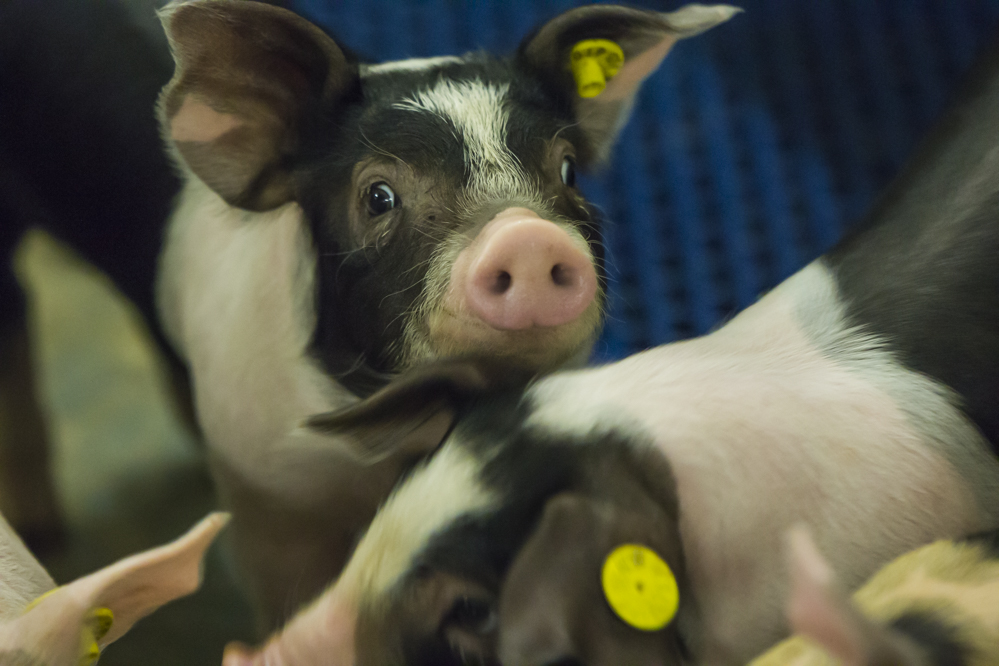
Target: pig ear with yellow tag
599 55
71 624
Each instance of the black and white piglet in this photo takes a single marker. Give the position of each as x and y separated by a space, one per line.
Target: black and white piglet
340 222
860 397
337 222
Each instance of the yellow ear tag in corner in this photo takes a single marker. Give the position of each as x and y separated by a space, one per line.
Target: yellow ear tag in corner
640 587
95 627
593 61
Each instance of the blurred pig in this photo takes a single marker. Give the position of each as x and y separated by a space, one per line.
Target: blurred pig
340 222
45 625
860 397
935 606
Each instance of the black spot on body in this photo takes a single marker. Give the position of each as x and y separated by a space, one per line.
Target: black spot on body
940 640
987 540
921 271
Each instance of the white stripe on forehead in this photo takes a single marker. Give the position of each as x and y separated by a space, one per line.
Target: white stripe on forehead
410 65
479 112
428 502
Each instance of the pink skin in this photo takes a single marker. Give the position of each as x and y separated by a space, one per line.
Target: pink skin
523 271
321 635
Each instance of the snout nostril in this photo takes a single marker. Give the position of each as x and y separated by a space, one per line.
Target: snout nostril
501 284
564 661
562 275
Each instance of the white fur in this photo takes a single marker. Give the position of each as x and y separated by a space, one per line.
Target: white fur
478 111
235 295
409 65
430 500
786 415
22 577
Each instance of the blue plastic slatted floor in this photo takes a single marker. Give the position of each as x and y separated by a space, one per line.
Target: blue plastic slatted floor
750 151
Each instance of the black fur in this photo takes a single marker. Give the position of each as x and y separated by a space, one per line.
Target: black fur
942 642
80 151
922 270
989 541
386 267
526 469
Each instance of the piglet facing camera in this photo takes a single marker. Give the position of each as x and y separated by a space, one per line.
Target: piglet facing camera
341 222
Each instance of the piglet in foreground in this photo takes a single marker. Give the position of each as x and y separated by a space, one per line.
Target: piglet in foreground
860 397
41 624
935 606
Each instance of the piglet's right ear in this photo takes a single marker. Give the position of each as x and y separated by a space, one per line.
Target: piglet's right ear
413 413
248 77
644 37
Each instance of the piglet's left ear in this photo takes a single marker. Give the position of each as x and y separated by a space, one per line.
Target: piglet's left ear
249 77
644 37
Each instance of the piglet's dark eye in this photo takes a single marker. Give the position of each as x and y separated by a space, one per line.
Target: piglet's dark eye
473 615
569 171
381 198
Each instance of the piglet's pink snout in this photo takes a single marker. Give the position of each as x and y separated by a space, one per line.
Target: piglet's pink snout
526 271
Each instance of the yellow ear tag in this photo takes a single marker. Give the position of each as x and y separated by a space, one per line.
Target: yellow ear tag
95 627
593 61
640 587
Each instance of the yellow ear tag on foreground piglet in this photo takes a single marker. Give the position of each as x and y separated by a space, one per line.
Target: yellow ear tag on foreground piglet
593 61
640 587
95 627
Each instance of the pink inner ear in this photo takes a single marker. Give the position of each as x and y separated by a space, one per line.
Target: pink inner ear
197 122
816 609
635 70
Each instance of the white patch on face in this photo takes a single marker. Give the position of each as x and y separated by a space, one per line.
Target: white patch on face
478 111
410 65
447 487
786 414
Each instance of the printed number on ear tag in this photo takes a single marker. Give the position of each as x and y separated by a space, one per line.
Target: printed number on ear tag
593 62
640 587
